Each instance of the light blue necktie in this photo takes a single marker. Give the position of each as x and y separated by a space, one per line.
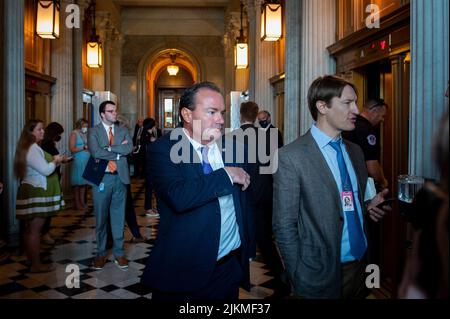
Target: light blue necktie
355 231
205 162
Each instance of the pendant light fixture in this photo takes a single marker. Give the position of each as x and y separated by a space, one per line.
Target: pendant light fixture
241 48
94 46
47 19
271 21
173 69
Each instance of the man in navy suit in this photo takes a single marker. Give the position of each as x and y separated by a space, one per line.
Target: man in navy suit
201 251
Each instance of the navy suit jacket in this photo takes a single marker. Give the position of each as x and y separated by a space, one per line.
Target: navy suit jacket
187 244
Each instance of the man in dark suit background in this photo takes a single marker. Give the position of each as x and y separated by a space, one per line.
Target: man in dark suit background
138 149
201 250
261 195
265 121
322 241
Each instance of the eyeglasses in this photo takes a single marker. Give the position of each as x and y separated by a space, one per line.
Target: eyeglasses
111 111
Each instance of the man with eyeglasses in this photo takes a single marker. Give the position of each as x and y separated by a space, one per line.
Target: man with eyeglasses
111 143
366 135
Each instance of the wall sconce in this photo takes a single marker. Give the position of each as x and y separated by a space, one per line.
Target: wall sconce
173 69
271 21
94 46
241 48
47 19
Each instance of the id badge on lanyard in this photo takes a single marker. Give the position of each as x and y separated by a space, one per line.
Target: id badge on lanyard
347 201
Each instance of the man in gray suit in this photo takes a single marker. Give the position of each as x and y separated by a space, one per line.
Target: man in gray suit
321 240
112 143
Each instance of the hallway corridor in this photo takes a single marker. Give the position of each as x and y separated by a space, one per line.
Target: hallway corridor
74 233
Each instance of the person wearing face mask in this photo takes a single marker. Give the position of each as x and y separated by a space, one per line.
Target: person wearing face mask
80 153
264 121
52 135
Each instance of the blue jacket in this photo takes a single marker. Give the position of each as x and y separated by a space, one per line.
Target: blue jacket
186 248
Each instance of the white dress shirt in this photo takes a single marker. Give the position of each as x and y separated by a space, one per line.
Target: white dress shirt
229 230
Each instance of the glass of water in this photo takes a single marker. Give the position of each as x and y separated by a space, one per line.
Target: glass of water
408 186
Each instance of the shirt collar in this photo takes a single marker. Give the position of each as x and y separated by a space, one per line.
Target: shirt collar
196 145
321 138
107 126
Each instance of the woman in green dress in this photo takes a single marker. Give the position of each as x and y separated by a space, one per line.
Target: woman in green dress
39 194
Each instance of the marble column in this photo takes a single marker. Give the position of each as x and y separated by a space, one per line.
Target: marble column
429 80
78 46
117 42
100 76
252 39
292 82
318 31
62 101
13 108
265 67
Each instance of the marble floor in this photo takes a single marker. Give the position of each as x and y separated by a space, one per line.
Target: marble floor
75 247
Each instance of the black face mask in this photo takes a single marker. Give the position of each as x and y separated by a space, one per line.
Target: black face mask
264 124
58 138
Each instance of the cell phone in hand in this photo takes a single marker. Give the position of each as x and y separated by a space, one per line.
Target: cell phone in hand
386 202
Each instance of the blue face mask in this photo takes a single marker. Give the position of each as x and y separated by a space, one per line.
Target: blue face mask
264 124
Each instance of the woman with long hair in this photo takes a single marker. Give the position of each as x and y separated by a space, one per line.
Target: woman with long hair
78 147
52 135
39 194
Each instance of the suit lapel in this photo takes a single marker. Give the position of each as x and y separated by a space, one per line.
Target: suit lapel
324 172
103 134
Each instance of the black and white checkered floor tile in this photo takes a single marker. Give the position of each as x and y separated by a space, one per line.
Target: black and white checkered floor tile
75 248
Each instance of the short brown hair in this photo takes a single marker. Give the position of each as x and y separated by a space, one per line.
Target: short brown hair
187 100
325 89
249 111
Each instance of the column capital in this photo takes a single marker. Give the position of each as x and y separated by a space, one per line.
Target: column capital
232 24
117 40
83 5
103 19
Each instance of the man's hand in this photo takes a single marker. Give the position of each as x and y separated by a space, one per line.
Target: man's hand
1 188
124 142
375 213
239 176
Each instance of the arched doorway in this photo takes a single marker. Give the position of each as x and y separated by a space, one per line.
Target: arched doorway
168 90
152 70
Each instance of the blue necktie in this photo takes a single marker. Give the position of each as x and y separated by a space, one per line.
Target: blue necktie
355 231
205 162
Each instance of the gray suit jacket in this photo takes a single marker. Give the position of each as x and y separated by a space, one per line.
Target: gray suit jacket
307 216
98 143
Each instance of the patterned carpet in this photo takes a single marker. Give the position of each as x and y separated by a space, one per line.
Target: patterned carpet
74 232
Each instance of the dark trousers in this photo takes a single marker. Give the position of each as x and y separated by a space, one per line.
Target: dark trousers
266 244
148 194
130 214
139 163
353 276
223 284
